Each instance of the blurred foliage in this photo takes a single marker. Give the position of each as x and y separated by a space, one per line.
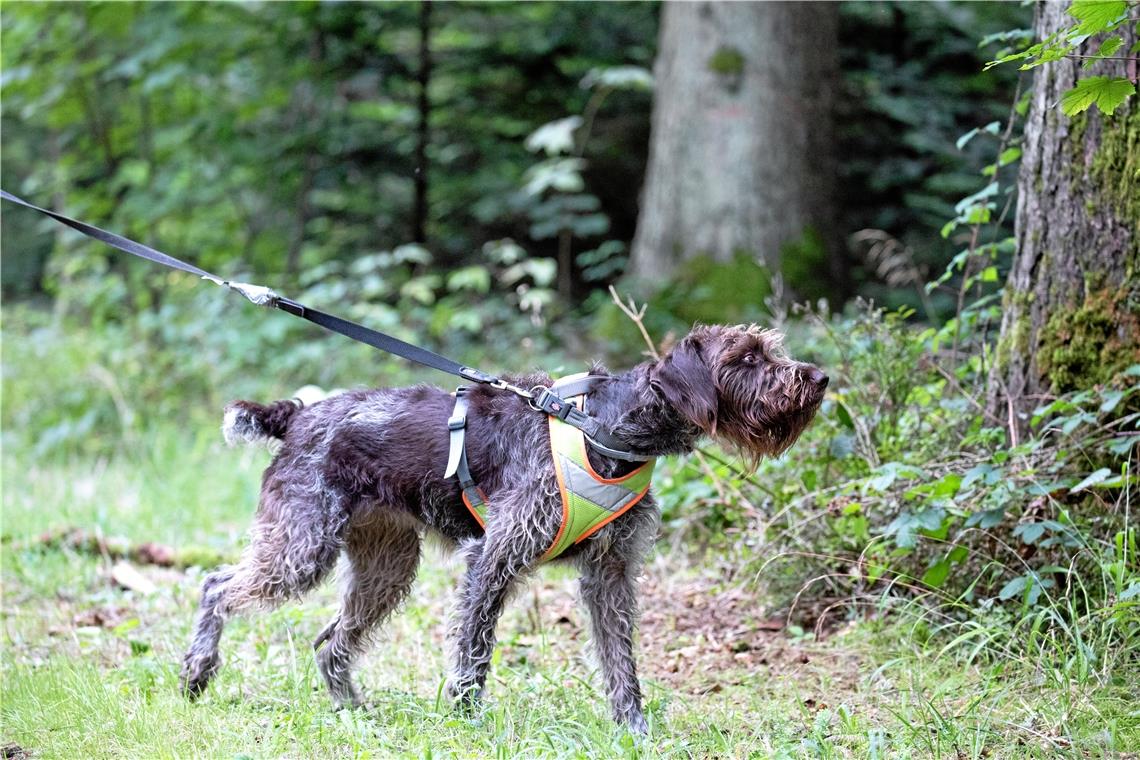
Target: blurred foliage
274 138
913 85
283 135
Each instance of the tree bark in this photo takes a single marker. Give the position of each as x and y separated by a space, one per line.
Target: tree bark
1071 301
423 78
741 150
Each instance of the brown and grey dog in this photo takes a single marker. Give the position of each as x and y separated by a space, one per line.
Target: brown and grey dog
362 473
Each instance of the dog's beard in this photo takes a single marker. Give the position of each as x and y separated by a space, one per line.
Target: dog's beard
766 429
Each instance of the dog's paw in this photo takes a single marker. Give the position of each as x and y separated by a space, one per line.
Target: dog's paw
196 674
636 724
466 697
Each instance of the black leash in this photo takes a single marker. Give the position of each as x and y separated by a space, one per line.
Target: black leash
540 398
263 296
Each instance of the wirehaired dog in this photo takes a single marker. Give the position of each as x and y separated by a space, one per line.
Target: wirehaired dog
362 473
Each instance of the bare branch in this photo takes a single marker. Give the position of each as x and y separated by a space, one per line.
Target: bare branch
636 315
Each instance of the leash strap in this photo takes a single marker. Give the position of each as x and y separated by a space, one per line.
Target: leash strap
116 241
578 385
456 428
547 401
263 296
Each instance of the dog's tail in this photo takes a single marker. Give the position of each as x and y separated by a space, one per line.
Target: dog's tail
247 422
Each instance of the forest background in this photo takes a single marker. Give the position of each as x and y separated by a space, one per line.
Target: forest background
474 178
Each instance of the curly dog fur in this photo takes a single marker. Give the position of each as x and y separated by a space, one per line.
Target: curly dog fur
361 473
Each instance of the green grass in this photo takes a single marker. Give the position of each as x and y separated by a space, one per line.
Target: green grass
91 670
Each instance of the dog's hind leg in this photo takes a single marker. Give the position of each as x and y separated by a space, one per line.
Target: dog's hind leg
295 541
383 554
609 589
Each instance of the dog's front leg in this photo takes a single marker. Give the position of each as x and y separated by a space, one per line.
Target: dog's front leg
494 566
609 589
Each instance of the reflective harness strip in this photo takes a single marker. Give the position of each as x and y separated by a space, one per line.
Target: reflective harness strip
589 501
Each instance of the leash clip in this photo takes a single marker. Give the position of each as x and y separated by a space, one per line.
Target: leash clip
256 294
503 385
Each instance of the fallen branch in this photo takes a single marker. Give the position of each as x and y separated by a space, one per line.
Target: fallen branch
116 548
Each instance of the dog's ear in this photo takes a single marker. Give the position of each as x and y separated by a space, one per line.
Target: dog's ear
686 381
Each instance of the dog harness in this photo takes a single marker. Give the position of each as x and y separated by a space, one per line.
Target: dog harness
589 501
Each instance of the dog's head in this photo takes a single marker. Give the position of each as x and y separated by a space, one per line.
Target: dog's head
738 385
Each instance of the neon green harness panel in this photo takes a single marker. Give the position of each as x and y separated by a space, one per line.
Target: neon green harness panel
589 501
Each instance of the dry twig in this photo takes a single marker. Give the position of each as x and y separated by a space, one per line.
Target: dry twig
635 314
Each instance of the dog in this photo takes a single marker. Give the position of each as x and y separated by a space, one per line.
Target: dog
362 473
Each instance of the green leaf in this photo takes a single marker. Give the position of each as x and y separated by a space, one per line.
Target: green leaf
844 415
1014 587
905 528
946 486
937 574
1097 15
1009 155
421 289
1030 533
1100 475
979 214
1110 46
975 200
412 253
975 473
1121 446
474 277
1106 92
990 274
619 78
554 137
986 519
992 128
885 475
1111 399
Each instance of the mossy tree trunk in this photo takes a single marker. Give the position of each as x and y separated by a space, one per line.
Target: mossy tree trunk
1071 301
740 158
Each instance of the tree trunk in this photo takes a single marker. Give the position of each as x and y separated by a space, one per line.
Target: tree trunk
1071 302
423 79
740 155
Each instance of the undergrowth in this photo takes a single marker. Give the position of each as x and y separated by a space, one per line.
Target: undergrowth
987 592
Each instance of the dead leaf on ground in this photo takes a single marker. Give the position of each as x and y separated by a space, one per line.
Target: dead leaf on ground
126 576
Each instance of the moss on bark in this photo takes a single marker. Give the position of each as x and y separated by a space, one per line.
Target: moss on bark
1116 170
1015 338
1090 343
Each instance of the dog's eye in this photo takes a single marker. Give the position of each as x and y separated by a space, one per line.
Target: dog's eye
749 359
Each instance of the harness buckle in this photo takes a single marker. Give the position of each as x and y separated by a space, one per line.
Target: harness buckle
456 423
553 404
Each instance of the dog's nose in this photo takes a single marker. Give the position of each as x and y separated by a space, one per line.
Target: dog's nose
817 378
